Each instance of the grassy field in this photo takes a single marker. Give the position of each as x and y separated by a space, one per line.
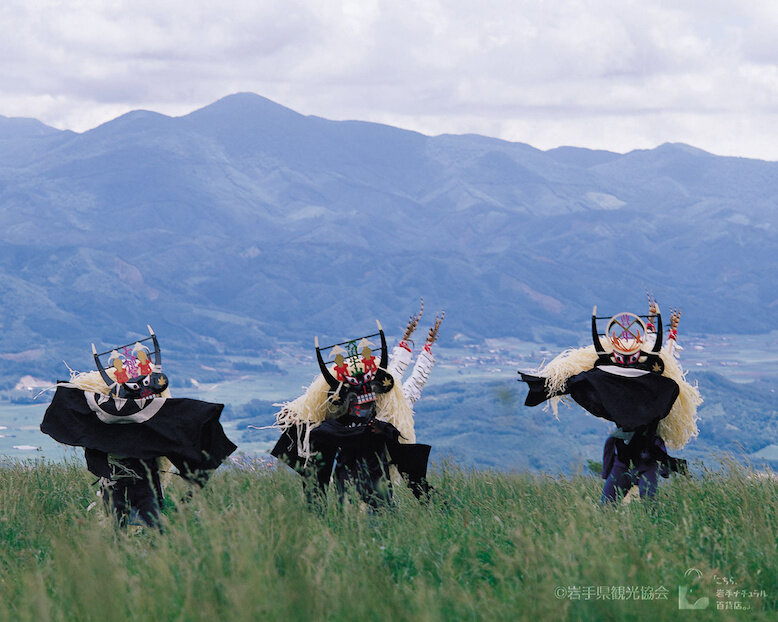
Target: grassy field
487 546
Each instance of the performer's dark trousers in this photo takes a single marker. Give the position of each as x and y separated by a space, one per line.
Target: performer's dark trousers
622 478
135 500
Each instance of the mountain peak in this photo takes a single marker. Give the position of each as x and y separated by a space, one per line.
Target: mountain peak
580 156
24 127
134 119
243 104
683 147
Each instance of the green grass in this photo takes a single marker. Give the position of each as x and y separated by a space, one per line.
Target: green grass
488 546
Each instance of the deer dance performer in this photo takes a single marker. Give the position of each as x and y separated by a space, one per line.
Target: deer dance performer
126 421
634 382
354 423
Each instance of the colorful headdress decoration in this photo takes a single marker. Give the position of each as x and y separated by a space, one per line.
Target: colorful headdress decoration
358 376
628 337
134 374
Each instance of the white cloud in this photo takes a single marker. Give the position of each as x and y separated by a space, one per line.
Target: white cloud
616 74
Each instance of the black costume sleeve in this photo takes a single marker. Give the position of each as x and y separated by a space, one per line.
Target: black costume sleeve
97 462
411 461
186 431
350 431
285 448
608 456
355 435
318 466
537 389
630 402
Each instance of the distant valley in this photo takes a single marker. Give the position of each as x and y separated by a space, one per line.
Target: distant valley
472 410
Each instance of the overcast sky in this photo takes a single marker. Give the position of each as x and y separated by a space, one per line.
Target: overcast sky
611 74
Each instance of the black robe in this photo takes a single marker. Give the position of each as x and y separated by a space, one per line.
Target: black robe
634 403
361 451
629 401
186 431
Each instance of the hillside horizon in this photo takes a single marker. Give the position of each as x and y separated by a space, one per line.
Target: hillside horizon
30 126
244 222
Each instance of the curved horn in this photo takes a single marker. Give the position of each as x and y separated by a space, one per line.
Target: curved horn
323 367
103 374
595 336
384 350
658 343
157 351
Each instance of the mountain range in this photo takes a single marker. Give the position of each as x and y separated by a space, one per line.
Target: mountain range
245 224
